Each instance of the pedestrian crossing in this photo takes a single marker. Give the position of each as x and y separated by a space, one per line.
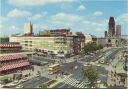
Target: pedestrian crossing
75 83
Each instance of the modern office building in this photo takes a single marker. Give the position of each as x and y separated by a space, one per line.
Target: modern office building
54 44
118 30
55 41
28 28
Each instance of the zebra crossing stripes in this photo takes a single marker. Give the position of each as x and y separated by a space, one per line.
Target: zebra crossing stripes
70 81
75 83
82 85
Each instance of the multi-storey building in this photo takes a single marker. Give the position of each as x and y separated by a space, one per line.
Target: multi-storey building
118 30
88 38
63 42
12 63
54 44
28 28
78 42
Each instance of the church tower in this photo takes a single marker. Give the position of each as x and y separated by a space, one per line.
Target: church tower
111 30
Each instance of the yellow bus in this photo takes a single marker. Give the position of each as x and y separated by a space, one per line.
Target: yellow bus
54 69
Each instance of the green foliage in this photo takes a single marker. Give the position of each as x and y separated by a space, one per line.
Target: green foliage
91 47
90 73
43 86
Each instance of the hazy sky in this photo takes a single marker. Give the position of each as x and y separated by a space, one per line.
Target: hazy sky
88 16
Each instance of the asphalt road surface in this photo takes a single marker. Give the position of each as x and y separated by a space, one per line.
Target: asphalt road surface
34 82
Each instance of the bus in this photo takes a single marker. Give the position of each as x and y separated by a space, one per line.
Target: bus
54 69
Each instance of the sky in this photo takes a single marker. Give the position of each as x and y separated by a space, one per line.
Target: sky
87 16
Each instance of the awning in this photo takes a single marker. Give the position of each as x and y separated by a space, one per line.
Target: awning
12 57
10 45
13 66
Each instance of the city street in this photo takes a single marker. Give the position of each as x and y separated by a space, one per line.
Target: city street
71 74
64 44
76 78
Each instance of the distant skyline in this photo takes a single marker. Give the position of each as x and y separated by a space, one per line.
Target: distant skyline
87 16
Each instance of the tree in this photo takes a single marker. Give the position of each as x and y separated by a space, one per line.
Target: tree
90 73
91 47
43 86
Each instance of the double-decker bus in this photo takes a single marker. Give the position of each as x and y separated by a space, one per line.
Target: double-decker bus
54 69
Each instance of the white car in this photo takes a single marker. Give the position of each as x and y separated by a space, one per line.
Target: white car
24 79
14 83
19 86
98 81
1 85
37 75
92 63
98 65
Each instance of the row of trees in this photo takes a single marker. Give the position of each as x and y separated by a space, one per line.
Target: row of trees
91 75
91 47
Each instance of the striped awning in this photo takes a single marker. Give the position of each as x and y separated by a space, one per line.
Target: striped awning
12 57
10 45
13 66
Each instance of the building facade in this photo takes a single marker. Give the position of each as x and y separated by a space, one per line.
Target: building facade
55 41
12 63
54 44
102 41
4 39
78 42
88 38
28 28
105 34
118 31
10 47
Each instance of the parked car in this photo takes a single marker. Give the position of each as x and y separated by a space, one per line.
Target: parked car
98 65
16 82
6 87
19 86
37 75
